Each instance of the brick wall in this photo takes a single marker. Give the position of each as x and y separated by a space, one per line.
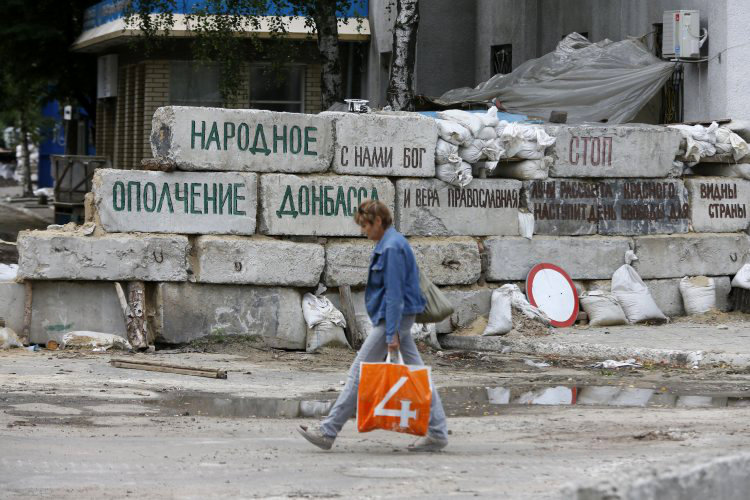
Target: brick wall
156 94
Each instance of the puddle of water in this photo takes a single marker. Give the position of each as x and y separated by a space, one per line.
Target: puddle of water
458 401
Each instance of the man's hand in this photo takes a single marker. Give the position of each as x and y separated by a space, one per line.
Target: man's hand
394 344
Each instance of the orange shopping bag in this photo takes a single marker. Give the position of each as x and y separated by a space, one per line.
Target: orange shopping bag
394 397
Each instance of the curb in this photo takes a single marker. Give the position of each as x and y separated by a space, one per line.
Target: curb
598 352
722 478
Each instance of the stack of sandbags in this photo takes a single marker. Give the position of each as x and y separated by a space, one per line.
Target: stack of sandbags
482 140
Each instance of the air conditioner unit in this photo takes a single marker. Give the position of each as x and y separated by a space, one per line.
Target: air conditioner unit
681 34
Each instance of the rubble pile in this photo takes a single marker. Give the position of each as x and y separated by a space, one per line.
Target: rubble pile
249 210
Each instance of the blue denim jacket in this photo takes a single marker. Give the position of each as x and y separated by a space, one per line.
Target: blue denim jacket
393 283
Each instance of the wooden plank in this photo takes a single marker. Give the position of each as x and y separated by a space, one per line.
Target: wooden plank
352 332
137 326
154 366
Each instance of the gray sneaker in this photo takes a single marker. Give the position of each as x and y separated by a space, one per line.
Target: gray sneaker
315 436
428 444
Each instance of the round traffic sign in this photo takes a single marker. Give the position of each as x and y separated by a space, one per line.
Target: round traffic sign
549 288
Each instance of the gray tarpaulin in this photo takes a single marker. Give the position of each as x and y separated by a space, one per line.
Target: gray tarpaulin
593 82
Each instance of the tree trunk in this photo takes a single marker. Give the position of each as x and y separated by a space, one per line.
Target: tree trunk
28 189
326 26
400 95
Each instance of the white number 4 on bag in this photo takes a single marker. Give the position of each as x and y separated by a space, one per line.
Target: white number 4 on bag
405 413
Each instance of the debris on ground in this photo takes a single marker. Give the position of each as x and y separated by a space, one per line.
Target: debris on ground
536 364
666 435
96 340
611 363
9 338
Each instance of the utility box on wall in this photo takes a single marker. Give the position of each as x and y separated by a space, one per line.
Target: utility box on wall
681 35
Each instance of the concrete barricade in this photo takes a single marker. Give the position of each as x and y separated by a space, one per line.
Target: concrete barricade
176 202
693 254
718 204
12 300
468 305
58 255
321 205
633 150
257 261
582 257
448 261
249 140
394 144
347 262
431 207
188 311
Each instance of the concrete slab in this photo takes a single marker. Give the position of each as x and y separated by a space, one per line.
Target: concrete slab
188 311
468 305
12 300
249 140
608 206
393 144
718 204
347 261
431 207
321 205
176 202
681 342
257 261
63 306
448 261
632 150
58 255
582 257
693 254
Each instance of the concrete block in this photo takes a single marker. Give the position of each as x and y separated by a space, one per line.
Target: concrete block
63 306
347 262
739 170
321 205
248 140
176 202
257 261
187 311
431 207
609 206
393 144
12 300
582 257
632 150
718 204
448 261
58 255
693 254
468 305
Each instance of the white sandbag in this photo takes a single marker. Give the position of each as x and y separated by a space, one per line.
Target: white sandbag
698 294
526 170
453 132
501 318
526 224
489 166
473 151
602 309
489 119
487 134
742 278
317 309
325 334
491 151
445 152
469 120
96 340
633 294
520 304
455 174
8 272
9 338
427 333
529 151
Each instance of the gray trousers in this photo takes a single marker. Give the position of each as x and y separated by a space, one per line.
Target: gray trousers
375 349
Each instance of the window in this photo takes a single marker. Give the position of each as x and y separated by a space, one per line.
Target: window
284 92
501 59
192 83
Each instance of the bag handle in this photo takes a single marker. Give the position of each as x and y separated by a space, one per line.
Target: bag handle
400 358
